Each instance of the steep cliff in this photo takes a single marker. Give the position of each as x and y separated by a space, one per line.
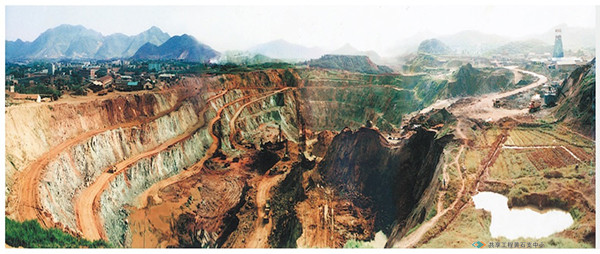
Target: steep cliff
33 129
363 167
577 99
78 167
474 81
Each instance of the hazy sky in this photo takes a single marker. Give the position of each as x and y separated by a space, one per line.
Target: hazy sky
240 27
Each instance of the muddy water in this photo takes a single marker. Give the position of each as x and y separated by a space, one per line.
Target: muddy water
521 222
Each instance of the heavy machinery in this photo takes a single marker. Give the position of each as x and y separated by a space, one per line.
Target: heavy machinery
499 103
550 95
267 209
535 103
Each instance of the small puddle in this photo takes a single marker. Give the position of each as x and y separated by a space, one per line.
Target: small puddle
522 221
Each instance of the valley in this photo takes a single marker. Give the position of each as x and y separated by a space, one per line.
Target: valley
299 157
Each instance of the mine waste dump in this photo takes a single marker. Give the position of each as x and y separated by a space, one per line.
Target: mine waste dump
306 157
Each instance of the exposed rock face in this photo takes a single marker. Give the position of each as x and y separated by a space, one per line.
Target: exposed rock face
577 98
330 108
126 187
34 129
389 178
473 81
287 227
324 139
78 167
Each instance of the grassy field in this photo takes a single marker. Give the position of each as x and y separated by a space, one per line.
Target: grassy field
30 234
568 163
474 225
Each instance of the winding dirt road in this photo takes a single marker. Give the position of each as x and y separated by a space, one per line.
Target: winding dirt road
484 107
259 238
414 238
25 200
152 192
232 126
87 203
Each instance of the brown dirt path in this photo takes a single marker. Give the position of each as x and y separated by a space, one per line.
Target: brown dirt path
483 108
232 126
152 192
414 238
24 199
259 238
88 202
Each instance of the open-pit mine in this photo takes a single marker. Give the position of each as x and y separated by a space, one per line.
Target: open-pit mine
304 157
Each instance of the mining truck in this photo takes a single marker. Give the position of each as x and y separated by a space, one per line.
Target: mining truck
535 103
498 103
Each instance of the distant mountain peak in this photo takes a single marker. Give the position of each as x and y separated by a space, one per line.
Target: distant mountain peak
353 63
434 46
77 41
346 49
179 47
154 28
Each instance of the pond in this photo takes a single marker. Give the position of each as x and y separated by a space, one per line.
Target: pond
522 221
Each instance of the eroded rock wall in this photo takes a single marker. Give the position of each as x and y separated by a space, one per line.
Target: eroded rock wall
390 178
78 167
33 129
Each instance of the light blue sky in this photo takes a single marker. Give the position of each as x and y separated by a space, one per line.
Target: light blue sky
235 27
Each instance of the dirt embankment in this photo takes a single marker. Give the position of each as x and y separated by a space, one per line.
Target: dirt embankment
35 130
369 181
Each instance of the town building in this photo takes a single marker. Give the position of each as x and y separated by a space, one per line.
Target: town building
105 81
30 97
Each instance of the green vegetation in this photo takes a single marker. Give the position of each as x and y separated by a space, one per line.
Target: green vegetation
354 244
576 213
30 234
360 64
578 109
474 81
230 68
431 213
38 89
434 46
541 68
413 229
421 62
471 225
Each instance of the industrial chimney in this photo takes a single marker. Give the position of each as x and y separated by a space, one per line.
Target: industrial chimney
558 46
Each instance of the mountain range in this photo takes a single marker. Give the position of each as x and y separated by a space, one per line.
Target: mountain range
181 47
78 42
349 50
472 42
353 63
